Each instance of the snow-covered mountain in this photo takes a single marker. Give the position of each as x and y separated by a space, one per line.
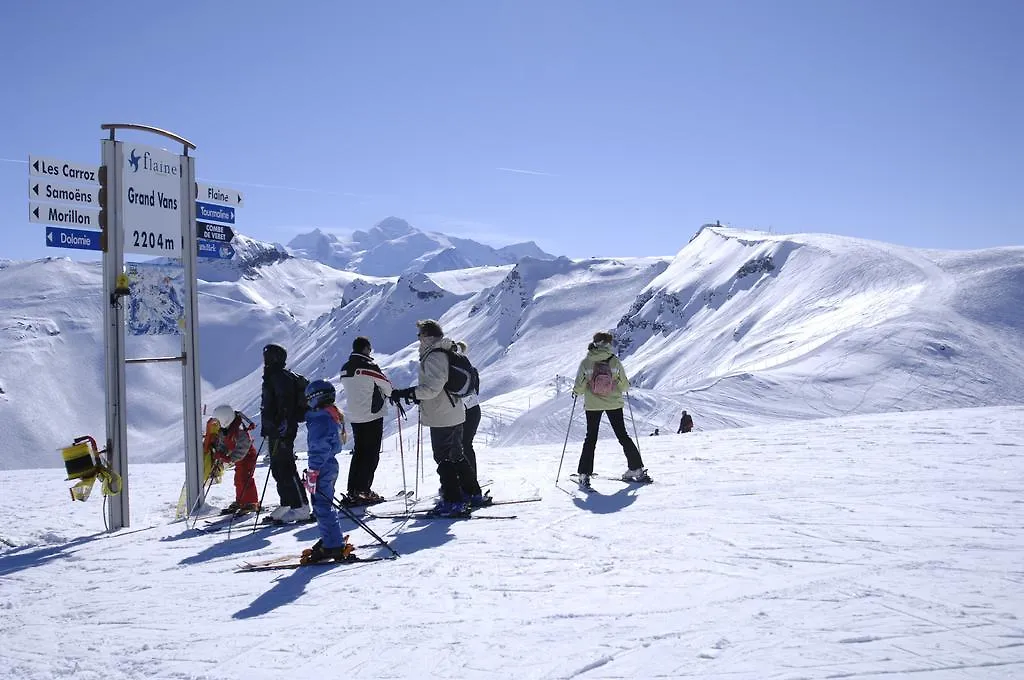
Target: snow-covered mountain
739 327
394 246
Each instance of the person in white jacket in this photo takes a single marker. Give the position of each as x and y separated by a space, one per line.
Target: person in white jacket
444 415
367 389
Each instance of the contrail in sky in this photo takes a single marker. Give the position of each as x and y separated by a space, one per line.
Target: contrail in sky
527 172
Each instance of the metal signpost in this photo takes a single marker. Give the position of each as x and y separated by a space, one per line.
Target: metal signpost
141 200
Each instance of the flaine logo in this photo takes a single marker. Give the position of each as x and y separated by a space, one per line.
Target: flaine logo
147 163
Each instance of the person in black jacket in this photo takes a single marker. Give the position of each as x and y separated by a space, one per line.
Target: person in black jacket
685 423
280 417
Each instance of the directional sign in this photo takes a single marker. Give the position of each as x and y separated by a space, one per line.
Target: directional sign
48 213
221 251
41 189
54 167
214 232
217 213
73 238
150 191
208 192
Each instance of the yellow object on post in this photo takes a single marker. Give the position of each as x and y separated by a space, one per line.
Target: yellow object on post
83 462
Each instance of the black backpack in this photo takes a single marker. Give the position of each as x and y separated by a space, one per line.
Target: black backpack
299 406
463 378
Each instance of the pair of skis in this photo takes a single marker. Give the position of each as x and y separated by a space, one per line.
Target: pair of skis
429 514
628 480
294 562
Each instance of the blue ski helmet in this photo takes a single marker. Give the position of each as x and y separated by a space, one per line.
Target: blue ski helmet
319 393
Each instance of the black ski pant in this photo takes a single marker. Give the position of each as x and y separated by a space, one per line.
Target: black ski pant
469 433
286 475
458 479
365 455
633 459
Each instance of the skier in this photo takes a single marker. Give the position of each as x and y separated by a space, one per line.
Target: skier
602 380
472 404
366 392
444 415
685 423
283 396
324 425
228 442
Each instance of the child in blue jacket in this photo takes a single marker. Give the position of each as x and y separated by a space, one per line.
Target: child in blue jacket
325 433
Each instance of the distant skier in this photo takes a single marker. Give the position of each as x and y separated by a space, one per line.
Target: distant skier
281 410
324 428
685 423
366 391
601 379
472 404
655 433
444 416
228 442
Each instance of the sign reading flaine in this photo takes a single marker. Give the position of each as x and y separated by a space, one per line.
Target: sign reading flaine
208 192
151 189
217 213
221 251
78 239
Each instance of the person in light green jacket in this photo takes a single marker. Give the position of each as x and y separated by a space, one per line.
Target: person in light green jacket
601 379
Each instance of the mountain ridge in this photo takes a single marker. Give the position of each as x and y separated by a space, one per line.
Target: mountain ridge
739 327
394 246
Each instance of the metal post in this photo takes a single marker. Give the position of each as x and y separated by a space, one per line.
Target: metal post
114 336
191 388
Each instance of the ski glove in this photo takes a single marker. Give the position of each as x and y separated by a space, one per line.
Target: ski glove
309 478
408 393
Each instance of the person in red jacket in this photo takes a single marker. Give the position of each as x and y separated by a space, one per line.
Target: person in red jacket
231 444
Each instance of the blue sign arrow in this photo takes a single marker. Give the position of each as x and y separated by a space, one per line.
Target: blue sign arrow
221 251
80 239
214 212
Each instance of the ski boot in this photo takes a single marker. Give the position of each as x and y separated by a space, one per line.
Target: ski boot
639 475
318 553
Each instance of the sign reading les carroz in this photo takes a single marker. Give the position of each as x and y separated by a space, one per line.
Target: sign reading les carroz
151 193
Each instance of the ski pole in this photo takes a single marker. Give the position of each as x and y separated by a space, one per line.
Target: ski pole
231 523
401 456
360 523
632 420
266 481
571 413
199 500
418 472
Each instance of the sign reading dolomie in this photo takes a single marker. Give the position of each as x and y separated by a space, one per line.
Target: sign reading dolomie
151 193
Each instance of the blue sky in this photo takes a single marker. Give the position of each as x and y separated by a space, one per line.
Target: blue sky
592 128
